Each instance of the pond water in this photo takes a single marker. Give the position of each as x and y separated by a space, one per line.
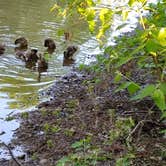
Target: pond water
19 86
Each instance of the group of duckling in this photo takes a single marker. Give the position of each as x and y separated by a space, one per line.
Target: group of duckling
31 56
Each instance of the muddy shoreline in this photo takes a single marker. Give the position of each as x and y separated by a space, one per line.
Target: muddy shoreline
81 109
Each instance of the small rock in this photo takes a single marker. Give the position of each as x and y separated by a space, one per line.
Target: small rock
3 132
43 162
22 157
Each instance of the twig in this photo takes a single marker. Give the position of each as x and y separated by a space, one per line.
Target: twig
139 125
11 154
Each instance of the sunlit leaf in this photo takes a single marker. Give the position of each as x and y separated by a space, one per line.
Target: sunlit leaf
64 13
90 2
131 2
162 36
100 34
125 15
54 8
105 15
153 53
90 14
143 1
159 99
81 10
92 25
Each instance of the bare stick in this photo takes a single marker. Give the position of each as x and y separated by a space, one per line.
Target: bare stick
139 125
11 154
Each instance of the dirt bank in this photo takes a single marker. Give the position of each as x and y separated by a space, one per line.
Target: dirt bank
86 123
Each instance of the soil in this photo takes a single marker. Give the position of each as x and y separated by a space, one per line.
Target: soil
78 118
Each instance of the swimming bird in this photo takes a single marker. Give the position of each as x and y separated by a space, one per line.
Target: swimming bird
50 44
2 48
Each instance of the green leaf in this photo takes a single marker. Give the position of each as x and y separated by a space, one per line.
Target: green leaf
118 77
77 144
92 25
122 86
90 14
133 87
105 15
143 1
131 2
162 36
125 15
90 2
54 7
147 91
152 45
162 87
62 161
159 99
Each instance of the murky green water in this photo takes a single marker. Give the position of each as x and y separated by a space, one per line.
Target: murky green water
32 19
19 86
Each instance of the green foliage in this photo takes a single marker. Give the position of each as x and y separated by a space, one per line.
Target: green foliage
24 115
159 99
10 118
124 161
85 155
69 132
147 91
145 51
84 143
122 128
51 128
131 86
147 47
50 143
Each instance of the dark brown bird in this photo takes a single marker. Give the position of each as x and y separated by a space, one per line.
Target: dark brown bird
42 63
31 56
70 51
2 49
21 44
50 44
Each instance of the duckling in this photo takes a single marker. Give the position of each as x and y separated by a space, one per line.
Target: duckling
21 44
31 56
67 36
69 52
2 48
42 63
50 44
28 56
